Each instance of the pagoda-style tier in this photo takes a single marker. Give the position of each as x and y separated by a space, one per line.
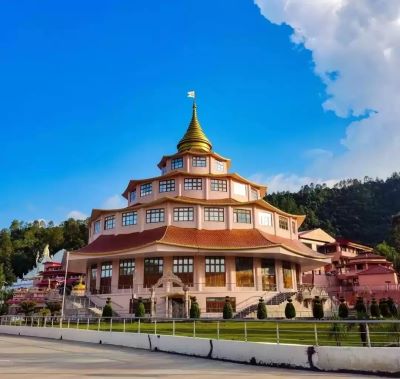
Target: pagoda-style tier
195 230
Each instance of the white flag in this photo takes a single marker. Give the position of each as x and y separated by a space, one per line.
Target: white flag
191 94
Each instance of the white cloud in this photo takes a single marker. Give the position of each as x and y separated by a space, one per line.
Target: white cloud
77 215
288 182
355 47
114 201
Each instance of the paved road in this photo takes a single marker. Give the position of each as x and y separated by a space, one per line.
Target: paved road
33 358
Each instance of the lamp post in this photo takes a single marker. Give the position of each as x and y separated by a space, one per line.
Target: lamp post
65 284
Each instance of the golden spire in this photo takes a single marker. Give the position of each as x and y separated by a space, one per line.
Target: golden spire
194 138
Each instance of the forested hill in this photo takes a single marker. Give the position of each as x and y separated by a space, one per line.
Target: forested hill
358 210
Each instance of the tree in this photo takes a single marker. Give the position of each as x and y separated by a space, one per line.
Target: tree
6 252
317 308
261 309
290 310
140 310
194 308
384 308
343 311
107 310
227 312
53 306
27 307
360 307
374 309
392 307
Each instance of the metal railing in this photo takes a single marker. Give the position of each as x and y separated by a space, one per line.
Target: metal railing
368 333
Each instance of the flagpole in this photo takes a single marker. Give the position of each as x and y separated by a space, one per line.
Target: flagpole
65 284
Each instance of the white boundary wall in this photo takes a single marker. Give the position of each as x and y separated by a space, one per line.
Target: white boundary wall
384 360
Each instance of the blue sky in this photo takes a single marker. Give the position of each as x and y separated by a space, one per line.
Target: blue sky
93 93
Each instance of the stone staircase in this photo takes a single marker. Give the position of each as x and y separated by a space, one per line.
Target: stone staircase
279 298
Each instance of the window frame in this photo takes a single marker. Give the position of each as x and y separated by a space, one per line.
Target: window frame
129 216
215 271
213 214
183 214
219 166
97 227
283 223
106 268
199 161
176 163
146 189
109 222
132 196
239 213
192 184
167 185
219 185
154 216
127 265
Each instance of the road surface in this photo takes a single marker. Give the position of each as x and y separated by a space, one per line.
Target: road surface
34 358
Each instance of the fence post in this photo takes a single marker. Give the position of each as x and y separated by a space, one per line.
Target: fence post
194 328
245 331
277 333
68 322
155 326
52 322
368 336
217 330
31 321
98 324
61 321
316 334
124 326
111 324
139 326
77 323
173 327
45 322
87 325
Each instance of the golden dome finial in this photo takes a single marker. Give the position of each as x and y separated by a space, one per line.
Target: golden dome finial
194 138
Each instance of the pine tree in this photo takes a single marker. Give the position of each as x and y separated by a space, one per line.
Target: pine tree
107 310
343 309
261 309
360 307
140 310
392 307
374 309
317 309
227 312
384 308
6 251
290 310
194 308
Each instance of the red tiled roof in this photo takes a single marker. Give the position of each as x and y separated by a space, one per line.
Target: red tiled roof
376 270
195 238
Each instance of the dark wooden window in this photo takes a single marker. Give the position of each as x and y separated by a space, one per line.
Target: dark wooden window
109 222
215 272
242 216
213 214
216 304
146 189
193 184
244 272
153 270
126 270
129 218
268 275
283 223
176 163
155 215
132 196
287 275
183 214
183 268
219 185
199 161
167 185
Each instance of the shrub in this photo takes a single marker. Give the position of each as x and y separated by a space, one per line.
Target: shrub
290 310
343 311
338 331
194 308
53 306
360 307
107 310
384 308
140 311
317 308
27 307
45 312
227 312
261 309
392 307
374 308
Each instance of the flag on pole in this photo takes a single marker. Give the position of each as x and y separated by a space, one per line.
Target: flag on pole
191 94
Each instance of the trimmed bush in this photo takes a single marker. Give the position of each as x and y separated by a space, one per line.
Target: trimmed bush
261 309
374 309
360 307
384 308
140 311
194 308
227 312
392 307
107 310
290 310
343 310
317 309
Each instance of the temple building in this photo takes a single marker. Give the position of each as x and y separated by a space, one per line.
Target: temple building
196 230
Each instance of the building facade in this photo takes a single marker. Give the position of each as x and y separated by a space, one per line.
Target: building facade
195 230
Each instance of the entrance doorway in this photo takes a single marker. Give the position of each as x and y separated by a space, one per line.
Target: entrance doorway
178 307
